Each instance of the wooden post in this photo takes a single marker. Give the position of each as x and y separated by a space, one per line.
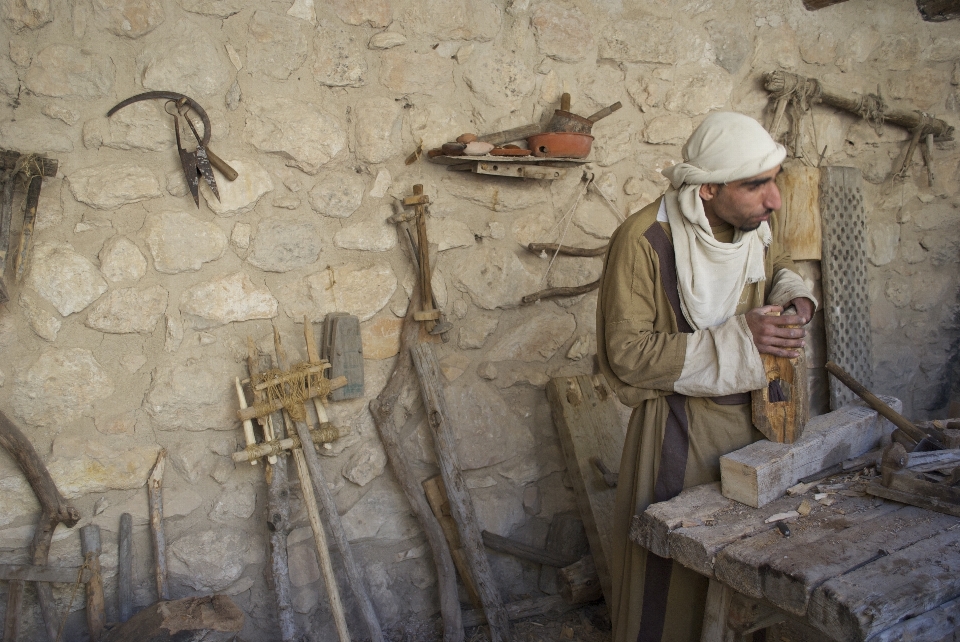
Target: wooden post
91 549
155 489
461 506
278 506
29 219
11 624
440 506
125 568
382 410
312 460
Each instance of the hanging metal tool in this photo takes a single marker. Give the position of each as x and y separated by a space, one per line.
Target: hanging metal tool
198 162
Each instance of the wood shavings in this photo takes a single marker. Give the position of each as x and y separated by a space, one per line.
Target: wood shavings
805 508
790 514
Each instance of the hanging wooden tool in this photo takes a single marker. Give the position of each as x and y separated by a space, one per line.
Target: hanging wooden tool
782 407
803 93
28 170
799 186
429 314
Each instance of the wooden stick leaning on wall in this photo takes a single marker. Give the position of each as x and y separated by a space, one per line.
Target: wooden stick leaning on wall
155 490
125 569
312 461
54 510
278 505
461 506
91 548
382 409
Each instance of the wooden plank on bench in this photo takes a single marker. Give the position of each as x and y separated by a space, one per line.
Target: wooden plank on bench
763 471
935 624
589 423
891 589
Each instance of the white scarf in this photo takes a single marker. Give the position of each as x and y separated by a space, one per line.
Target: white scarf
711 275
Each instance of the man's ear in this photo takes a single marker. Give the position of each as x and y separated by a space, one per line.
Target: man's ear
708 191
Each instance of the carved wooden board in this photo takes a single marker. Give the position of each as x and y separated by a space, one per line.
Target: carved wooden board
800 211
845 302
586 416
343 349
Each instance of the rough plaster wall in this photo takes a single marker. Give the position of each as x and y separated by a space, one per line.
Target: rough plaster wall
130 326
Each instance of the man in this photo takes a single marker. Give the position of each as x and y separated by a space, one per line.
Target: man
688 286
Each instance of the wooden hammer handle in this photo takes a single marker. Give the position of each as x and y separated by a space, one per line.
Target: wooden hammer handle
874 402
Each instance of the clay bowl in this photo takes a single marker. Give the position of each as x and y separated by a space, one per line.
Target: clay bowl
560 145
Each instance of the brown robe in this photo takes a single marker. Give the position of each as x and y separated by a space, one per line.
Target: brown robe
673 441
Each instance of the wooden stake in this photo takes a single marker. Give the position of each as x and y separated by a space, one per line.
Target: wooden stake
155 488
125 568
461 506
278 505
91 549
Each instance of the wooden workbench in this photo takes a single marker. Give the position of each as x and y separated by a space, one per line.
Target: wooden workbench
860 569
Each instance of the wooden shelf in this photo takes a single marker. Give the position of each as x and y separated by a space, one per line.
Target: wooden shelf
511 166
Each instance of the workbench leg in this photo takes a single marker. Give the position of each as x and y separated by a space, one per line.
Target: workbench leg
715 628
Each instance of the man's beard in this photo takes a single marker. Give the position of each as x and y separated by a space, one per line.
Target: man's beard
750 228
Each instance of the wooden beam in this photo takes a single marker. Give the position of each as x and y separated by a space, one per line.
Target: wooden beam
523 551
553 604
125 568
96 611
813 5
213 618
763 471
939 10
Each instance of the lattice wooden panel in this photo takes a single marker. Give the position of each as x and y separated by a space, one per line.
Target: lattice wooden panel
844 268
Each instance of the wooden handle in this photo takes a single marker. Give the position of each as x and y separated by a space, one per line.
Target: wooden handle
606 111
874 402
499 138
565 102
221 165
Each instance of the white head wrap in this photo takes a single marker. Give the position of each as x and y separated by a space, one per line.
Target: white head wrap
711 275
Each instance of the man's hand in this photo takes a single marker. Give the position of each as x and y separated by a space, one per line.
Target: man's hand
770 334
805 309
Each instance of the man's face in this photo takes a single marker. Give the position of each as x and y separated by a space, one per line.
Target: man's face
744 204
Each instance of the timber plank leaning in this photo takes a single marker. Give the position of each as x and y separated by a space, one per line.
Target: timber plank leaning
590 426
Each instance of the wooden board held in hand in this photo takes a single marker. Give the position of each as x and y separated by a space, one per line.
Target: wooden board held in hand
586 416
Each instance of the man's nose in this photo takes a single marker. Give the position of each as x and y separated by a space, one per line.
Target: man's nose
771 197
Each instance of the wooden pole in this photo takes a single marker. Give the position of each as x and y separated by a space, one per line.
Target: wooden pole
777 81
461 506
312 461
125 568
155 490
91 549
278 506
382 409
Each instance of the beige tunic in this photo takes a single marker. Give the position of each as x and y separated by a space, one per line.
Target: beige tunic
643 355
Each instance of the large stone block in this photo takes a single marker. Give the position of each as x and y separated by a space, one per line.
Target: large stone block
299 132
59 387
64 277
65 70
191 62
276 47
194 395
129 18
284 243
225 299
110 185
180 242
129 310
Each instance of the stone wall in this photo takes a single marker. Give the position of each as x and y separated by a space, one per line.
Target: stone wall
130 325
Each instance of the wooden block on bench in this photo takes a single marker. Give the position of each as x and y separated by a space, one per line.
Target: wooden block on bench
763 471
